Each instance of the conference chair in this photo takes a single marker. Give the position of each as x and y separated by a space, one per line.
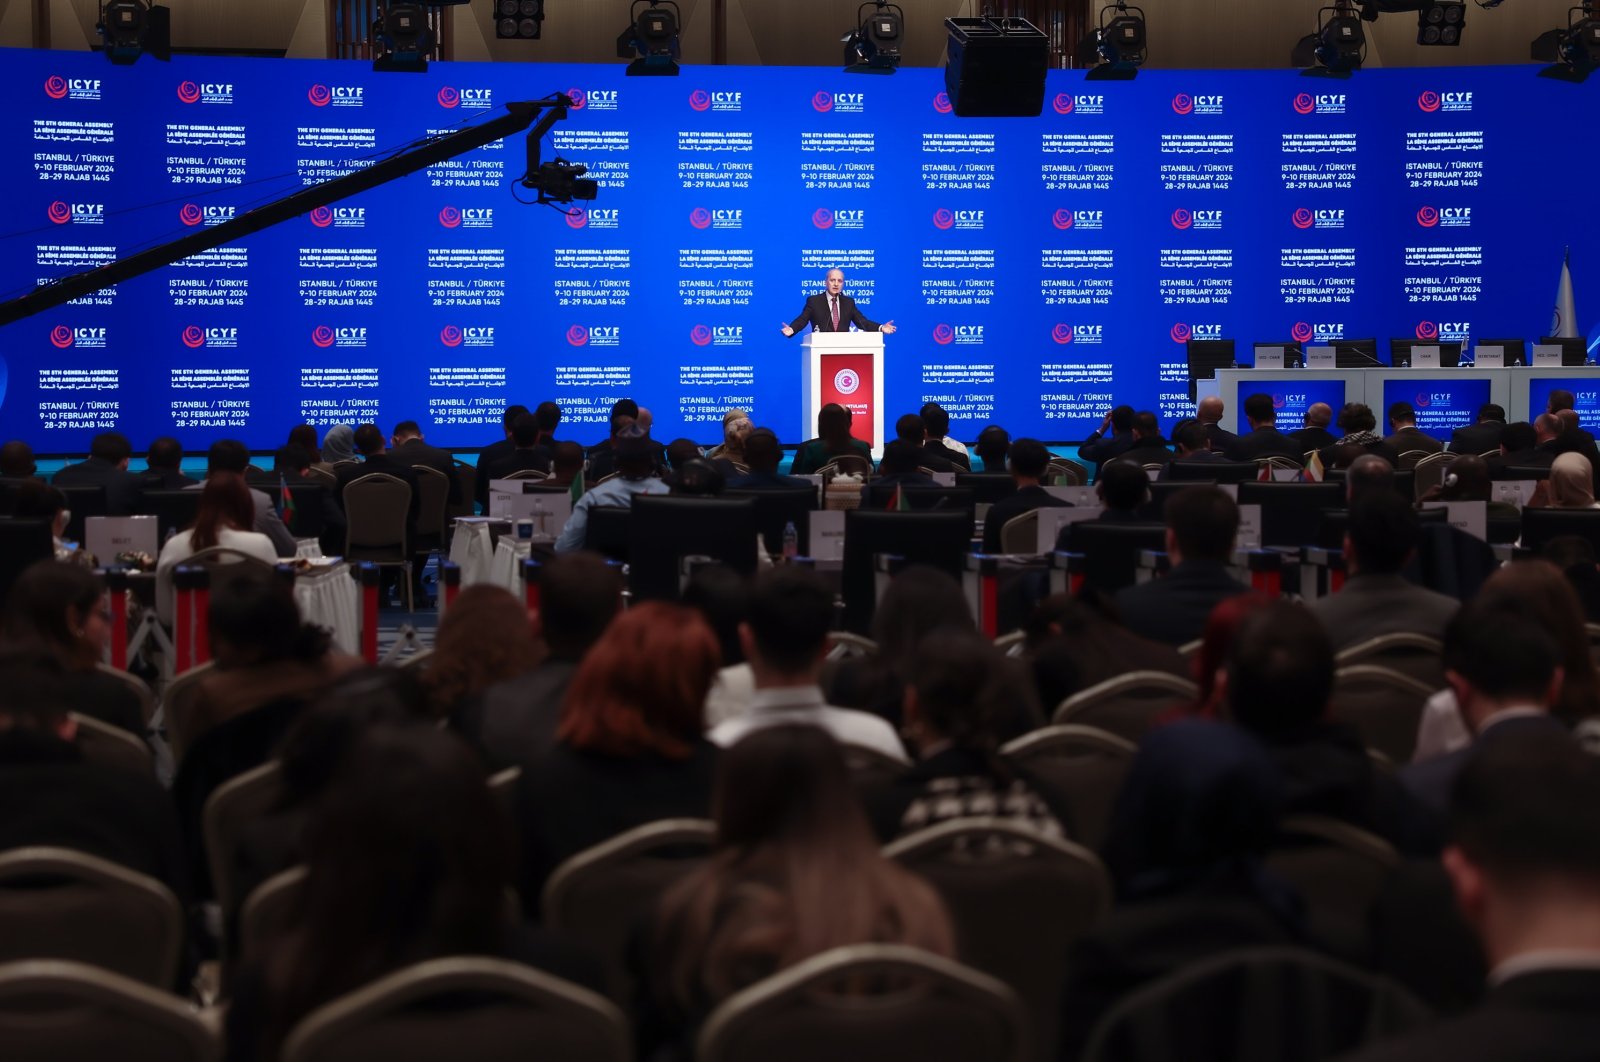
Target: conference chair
139 688
666 529
85 500
1111 551
940 538
177 708
503 784
1339 872
850 464
1081 767
225 566
174 511
843 645
869 1003
309 518
1516 472
1020 534
1429 472
535 474
229 811
1127 705
1415 655
1161 491
467 484
1384 706
112 746
987 487
1066 472
1013 644
322 477
270 910
918 499
1018 899
1331 524
1254 1005
1409 458
776 508
485 1009
23 543
52 1010
1291 512
1279 463
376 508
57 903
598 895
433 488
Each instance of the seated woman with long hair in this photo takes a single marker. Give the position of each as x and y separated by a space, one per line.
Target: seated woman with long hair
833 440
485 637
408 858
796 872
225 517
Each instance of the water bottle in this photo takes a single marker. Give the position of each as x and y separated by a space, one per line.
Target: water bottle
539 517
791 541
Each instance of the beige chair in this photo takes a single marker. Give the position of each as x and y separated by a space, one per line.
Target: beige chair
56 903
55 1011
232 806
224 565
140 688
1414 655
869 1003
1018 900
1128 704
376 508
269 911
531 474
323 478
1067 472
1020 534
433 504
113 746
599 894
1339 871
853 464
869 767
1430 471
417 661
1014 644
1409 458
517 1014
1188 649
177 708
1082 767
1383 705
842 645
1279 461
504 786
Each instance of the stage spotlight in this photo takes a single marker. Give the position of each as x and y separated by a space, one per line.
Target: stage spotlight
1116 49
1574 51
1441 23
653 38
131 28
873 47
518 20
1338 46
406 37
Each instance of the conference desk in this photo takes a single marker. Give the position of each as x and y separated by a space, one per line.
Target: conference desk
1444 399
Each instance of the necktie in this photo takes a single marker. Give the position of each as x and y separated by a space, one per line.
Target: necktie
835 301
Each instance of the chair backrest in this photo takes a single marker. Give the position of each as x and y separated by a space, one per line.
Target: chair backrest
528 473
987 487
1255 1005
57 903
1415 655
1066 472
1541 525
1384 706
433 487
1111 551
1277 461
1082 767
666 529
52 1010
1214 471
597 895
224 565
869 1003
1430 471
85 500
1013 644
1339 871
113 746
375 507
174 510
23 542
776 507
1126 705
609 531
1291 512
229 809
269 910
177 707
1409 458
842 645
855 464
1020 534
1018 900
137 685
516 1012
467 481
941 539
503 784
1162 490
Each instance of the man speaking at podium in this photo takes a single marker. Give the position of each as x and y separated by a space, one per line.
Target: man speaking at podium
834 311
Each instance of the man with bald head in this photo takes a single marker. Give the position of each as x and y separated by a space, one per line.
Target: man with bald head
1209 414
1367 473
831 310
1315 435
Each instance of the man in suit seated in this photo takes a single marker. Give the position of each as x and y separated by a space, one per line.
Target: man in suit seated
1264 439
913 431
937 423
994 443
1484 435
1099 448
1524 864
16 460
162 471
493 452
107 466
408 447
527 454
1148 448
230 455
1029 459
636 474
1380 537
1404 435
762 454
1209 413
1123 487
1520 445
1202 523
831 310
901 467
1191 445
1315 435
1562 403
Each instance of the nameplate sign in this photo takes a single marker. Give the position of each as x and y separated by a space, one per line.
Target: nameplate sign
107 536
1052 520
1546 354
826 540
1425 357
1489 356
1321 358
1515 491
1269 357
1249 527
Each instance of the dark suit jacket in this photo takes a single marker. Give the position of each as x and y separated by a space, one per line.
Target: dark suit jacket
938 458
1479 438
1025 500
1148 452
514 722
1103 448
537 459
820 317
1263 442
417 452
1548 1015
1432 780
164 479
1219 437
960 458
1533 457
1201 457
1314 438
487 456
1175 607
1370 605
122 488
1412 439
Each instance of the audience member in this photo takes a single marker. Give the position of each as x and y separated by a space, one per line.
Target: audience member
1192 446
1524 869
376 459
1148 448
1123 488
727 418
1072 645
1358 424
483 639
1466 478
796 872
1519 445
33 499
1029 461
304 436
937 421
408 858
567 464
912 433
722 597
1208 413
1202 523
496 450
606 459
762 454
1404 435
1562 403
1369 473
901 466
338 447
514 721
229 456
1315 435
1098 449
1377 599
733 437
16 460
622 407
163 469
223 520
635 467
408 447
1482 437
785 639
630 747
833 441
1264 439
698 479
58 611
1570 486
993 445
1575 556
526 454
681 451
548 416
1209 663
106 466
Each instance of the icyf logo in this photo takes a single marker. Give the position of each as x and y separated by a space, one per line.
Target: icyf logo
468 99
1427 330
700 218
1083 220
822 102
1068 104
823 218
1445 217
1183 331
1317 333
700 100
1089 334
577 335
590 99
1182 219
192 214
1321 103
450 335
325 337
77 213
1061 333
71 88
1304 218
594 336
711 335
1183 103
194 337
457 336
846 382
1431 102
1063 219
62 337
339 217
336 95
205 92
467 217
941 102
700 335
1447 331
579 98
960 335
957 219
722 102
839 102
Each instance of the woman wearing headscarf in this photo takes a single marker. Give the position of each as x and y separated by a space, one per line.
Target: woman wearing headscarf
338 445
1571 483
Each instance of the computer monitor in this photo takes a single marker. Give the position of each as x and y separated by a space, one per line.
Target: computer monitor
987 487
1205 357
1574 350
1585 397
1440 404
1293 353
1292 395
777 507
1290 511
1356 353
174 510
940 538
1400 352
1516 350
667 528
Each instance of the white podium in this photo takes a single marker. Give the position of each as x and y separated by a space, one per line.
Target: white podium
847 368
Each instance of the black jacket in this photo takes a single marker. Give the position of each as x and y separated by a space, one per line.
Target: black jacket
535 459
122 487
1479 438
1263 442
1098 448
819 315
1025 500
1174 608
417 452
1314 439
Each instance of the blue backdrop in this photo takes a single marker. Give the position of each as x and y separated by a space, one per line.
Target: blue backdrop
1037 268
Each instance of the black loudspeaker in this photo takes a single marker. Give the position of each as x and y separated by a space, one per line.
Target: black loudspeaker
995 67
